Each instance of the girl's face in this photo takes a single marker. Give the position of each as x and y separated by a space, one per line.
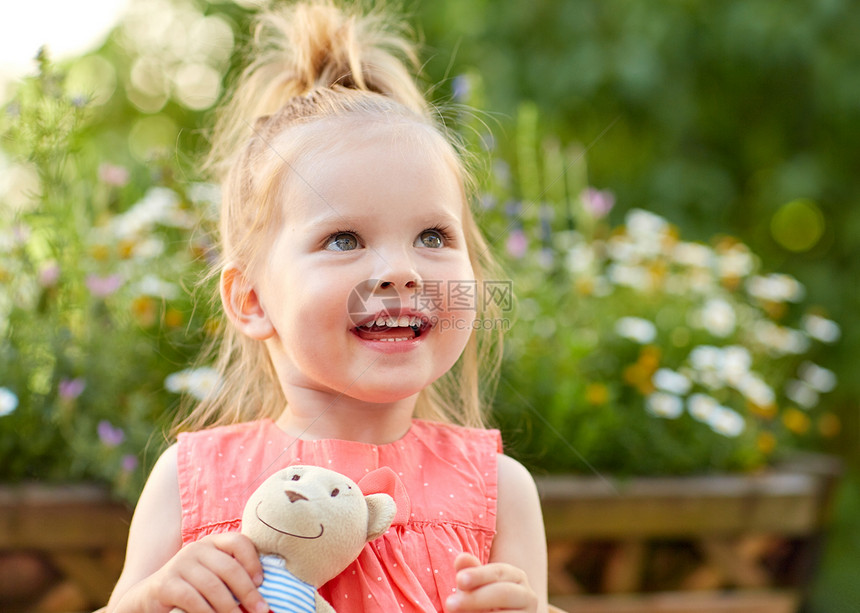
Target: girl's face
368 289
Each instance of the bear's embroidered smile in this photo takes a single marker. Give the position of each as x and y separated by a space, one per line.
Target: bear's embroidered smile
299 536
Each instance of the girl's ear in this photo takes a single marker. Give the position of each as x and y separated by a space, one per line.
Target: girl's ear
242 304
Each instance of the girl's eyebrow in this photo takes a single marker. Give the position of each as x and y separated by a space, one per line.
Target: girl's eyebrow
428 219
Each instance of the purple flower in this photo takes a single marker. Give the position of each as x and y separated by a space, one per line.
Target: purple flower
103 286
597 202
517 243
110 435
461 88
71 388
129 462
487 201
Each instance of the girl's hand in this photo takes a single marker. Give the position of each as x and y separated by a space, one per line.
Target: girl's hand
205 576
490 587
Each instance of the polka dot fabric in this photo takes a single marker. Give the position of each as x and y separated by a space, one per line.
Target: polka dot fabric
448 483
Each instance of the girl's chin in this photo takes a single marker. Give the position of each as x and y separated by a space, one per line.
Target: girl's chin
384 395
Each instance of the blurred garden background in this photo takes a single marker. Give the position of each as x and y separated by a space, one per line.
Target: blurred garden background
674 188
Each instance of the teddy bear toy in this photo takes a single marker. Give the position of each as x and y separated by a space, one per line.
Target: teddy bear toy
308 524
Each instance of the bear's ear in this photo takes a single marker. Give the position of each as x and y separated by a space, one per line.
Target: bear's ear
380 514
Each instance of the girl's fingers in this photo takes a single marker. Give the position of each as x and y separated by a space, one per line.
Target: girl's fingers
240 547
239 585
185 598
211 588
494 597
465 560
233 576
216 574
490 587
471 578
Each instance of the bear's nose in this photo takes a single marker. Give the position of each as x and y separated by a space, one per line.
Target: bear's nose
293 496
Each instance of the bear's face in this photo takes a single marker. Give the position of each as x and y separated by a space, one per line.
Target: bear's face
316 519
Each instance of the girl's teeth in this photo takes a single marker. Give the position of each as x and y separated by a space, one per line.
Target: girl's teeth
403 322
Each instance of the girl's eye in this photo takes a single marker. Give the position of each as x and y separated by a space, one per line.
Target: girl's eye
434 239
342 241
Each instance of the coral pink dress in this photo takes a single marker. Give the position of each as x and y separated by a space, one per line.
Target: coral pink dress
444 482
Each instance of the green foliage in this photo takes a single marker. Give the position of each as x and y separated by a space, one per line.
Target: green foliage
637 352
719 116
93 315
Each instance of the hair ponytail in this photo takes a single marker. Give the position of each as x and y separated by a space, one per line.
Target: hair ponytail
301 48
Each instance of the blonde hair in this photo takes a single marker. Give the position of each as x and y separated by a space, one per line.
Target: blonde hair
315 60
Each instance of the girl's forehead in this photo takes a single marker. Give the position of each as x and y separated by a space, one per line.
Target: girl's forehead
348 135
364 160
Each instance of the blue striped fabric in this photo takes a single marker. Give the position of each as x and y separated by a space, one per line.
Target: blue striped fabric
283 591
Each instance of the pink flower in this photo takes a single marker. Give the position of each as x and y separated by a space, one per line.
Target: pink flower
103 286
70 389
49 274
517 243
109 174
109 434
597 202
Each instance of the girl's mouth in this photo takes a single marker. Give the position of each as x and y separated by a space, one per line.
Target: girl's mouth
393 329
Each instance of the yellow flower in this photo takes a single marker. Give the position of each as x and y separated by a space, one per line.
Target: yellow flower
584 286
797 421
173 318
596 394
829 425
143 309
126 248
100 252
764 411
212 326
775 310
766 442
639 375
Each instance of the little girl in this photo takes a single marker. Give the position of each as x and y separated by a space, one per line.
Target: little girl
347 244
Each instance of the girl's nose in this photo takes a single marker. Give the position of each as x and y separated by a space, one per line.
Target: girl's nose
411 284
397 271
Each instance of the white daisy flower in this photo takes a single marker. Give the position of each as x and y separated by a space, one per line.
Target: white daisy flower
801 393
817 377
736 262
8 401
203 382
717 317
726 422
661 404
776 287
670 381
702 406
756 390
645 226
636 329
821 329
695 255
150 285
